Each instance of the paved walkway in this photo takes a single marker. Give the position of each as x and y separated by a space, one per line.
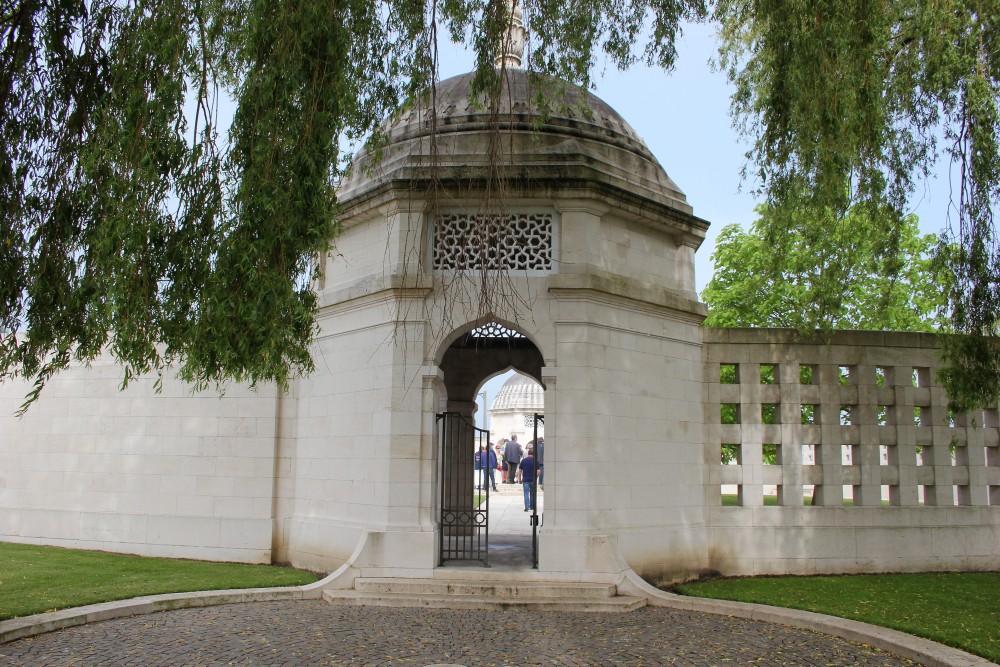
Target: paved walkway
316 633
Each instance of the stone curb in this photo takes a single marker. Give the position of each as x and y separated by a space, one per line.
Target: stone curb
918 649
925 651
30 626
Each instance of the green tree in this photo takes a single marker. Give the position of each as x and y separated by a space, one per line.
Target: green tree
820 281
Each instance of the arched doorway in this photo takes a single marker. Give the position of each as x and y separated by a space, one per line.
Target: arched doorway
475 518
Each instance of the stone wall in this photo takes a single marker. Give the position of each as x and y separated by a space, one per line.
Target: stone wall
922 487
164 474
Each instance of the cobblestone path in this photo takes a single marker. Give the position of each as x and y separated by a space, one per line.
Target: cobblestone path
315 633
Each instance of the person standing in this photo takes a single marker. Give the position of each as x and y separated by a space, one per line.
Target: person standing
477 466
512 455
527 474
501 447
490 460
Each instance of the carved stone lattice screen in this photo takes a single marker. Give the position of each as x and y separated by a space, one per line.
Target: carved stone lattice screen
857 422
495 330
516 241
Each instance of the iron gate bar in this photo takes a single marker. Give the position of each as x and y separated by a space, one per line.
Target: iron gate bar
534 496
464 529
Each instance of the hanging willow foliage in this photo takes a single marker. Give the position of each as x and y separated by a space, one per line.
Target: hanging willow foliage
139 220
851 103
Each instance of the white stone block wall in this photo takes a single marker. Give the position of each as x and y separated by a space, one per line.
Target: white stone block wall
919 490
627 459
358 460
136 471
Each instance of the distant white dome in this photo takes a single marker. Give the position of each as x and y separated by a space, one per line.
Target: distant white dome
519 394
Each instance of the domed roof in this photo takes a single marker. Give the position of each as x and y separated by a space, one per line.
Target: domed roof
519 394
579 142
519 110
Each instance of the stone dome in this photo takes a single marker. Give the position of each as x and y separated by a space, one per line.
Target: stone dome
577 144
519 394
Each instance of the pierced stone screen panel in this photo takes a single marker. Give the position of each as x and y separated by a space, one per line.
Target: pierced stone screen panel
855 420
516 241
495 330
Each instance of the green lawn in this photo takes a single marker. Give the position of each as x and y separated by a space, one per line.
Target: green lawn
958 609
35 579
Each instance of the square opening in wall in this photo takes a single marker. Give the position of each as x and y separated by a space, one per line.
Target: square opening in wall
768 373
732 495
882 415
729 373
809 455
730 413
769 413
810 414
846 455
959 452
805 374
731 454
992 456
771 454
846 412
844 375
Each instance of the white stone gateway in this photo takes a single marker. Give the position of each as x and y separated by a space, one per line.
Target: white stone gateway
354 465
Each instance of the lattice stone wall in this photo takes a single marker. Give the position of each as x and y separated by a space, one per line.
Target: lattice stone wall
869 405
516 241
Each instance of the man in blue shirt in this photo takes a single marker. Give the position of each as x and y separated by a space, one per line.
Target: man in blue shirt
527 473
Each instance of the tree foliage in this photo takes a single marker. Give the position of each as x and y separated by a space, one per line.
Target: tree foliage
850 104
138 219
825 280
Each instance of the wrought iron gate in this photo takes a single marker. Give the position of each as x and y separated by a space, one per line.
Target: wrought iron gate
465 529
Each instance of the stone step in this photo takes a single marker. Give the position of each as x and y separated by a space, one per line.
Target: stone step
619 603
492 589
